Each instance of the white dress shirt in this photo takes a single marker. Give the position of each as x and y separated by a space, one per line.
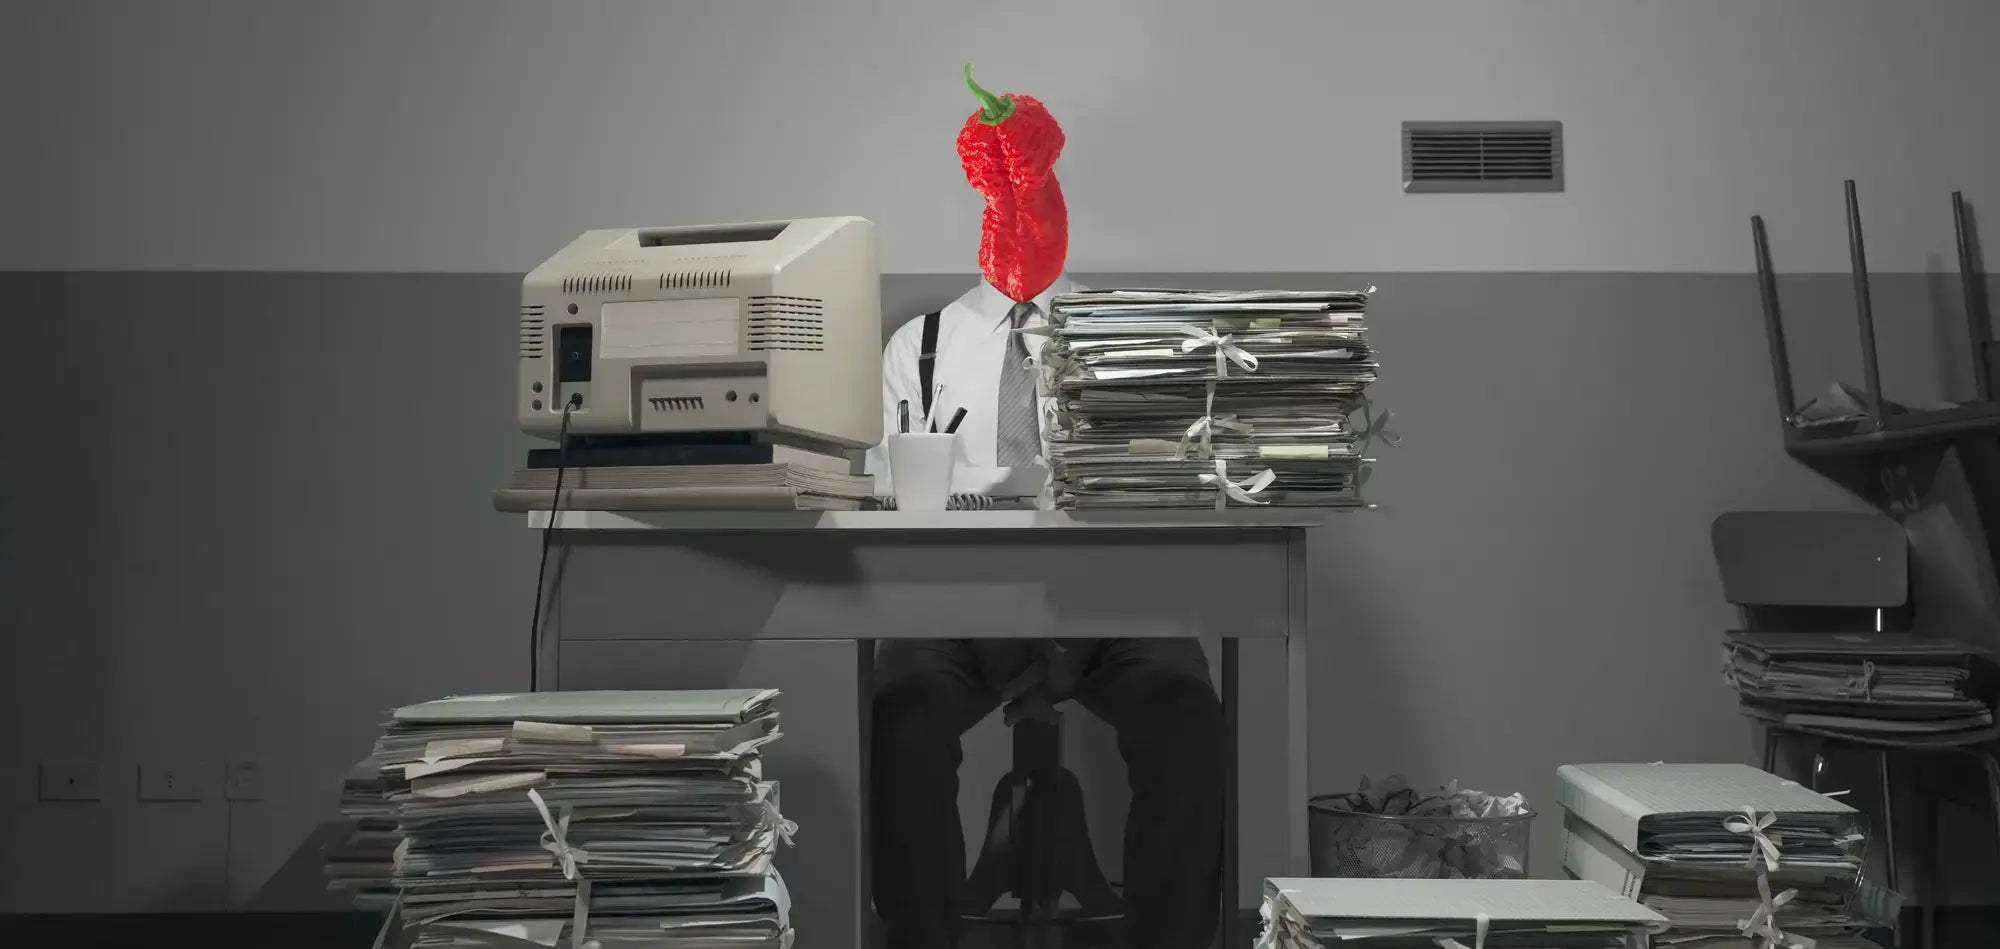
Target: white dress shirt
972 340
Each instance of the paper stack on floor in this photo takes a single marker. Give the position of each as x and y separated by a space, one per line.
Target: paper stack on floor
1458 914
635 819
1203 399
361 863
1879 688
1714 847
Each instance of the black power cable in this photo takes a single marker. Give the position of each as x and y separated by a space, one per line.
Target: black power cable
548 536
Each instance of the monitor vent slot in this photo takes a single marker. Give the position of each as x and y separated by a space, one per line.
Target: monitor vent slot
598 283
1482 156
694 280
534 332
676 403
794 324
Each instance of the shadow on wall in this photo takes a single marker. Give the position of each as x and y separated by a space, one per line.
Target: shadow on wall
301 879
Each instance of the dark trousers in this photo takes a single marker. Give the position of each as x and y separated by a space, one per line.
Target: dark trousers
1155 693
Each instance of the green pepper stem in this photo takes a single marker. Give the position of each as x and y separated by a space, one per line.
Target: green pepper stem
993 109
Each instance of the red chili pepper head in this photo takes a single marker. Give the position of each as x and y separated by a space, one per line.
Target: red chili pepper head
1009 149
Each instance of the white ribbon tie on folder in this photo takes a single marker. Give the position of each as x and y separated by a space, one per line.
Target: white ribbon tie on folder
1865 682
568 858
1204 426
1244 491
389 919
1762 925
1480 924
1753 825
1373 428
1226 350
783 826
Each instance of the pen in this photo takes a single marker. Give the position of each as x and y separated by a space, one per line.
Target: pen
903 416
956 417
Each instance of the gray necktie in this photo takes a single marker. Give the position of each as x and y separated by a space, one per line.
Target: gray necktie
1018 434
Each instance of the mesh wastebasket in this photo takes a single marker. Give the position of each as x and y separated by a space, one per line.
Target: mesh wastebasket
1347 843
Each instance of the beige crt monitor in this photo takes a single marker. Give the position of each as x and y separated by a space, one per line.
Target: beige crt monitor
772 329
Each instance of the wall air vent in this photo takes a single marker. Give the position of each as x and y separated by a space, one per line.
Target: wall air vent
534 332
598 283
786 323
1466 157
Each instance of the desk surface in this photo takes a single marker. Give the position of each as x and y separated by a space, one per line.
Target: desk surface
1238 518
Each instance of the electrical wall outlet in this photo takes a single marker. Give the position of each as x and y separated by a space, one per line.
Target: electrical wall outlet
170 781
245 781
72 781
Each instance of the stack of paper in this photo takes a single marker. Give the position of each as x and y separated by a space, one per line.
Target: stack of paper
1690 840
362 862
1426 914
787 486
1185 398
1887 688
634 819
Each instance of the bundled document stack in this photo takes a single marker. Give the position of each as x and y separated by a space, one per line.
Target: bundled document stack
631 819
362 862
1880 688
1453 914
1734 857
1204 399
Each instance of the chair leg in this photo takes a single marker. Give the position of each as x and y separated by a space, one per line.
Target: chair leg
1927 913
1770 750
1818 765
1889 855
1992 761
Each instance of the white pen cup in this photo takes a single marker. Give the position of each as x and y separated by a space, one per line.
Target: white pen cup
920 466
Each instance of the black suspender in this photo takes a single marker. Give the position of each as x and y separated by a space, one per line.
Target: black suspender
927 359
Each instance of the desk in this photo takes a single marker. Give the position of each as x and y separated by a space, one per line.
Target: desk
678 600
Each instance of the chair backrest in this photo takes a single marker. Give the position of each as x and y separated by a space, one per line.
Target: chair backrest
1812 569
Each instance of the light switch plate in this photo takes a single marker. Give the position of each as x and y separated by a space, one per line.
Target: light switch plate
72 781
171 781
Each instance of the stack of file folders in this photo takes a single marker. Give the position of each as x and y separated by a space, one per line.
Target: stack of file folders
1458 914
1878 688
1200 399
363 861
631 819
1716 848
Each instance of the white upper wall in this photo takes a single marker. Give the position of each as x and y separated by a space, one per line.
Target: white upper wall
480 135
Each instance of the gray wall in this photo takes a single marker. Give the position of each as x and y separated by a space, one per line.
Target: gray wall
227 540
1253 135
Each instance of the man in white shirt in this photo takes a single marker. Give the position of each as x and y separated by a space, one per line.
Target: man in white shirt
1156 693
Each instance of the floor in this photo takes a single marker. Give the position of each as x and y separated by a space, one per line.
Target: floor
1958 928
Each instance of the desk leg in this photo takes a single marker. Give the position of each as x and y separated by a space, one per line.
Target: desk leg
865 930
1232 805
1298 769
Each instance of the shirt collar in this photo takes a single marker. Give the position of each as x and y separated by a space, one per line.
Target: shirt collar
987 300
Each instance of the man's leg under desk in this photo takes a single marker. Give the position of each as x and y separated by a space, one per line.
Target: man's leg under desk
1157 695
927 694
